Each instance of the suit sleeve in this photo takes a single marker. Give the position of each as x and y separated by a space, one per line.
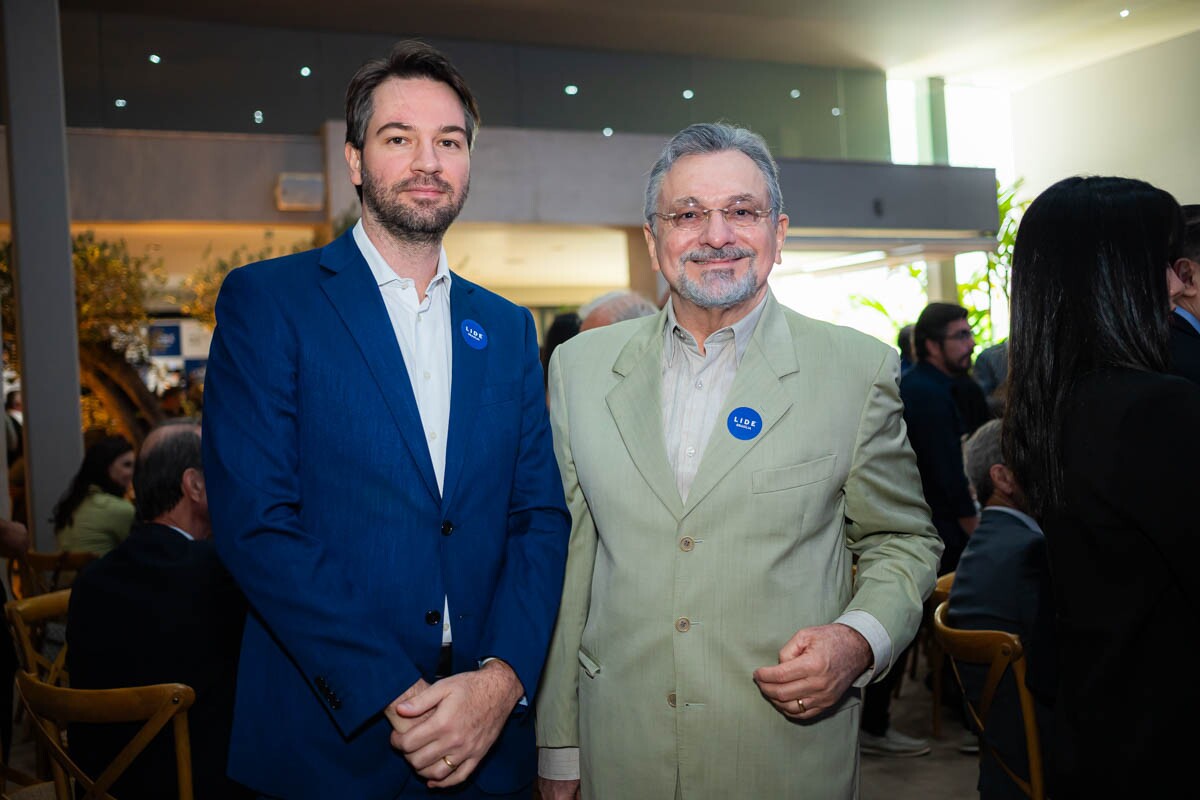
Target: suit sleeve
342 642
887 522
558 700
527 594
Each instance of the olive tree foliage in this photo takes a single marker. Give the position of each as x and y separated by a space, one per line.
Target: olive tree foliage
112 290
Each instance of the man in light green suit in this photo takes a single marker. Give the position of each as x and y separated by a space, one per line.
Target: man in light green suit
725 462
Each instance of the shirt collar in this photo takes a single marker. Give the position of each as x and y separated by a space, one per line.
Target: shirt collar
181 531
1189 316
1029 521
742 331
385 274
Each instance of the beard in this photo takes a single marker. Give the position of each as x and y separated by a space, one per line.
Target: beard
717 288
418 223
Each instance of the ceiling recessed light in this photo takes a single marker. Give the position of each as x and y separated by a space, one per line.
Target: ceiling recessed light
155 58
120 102
837 112
258 117
688 94
1124 13
607 131
794 93
571 89
305 72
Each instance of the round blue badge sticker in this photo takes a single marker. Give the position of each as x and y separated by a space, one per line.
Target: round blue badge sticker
744 423
474 334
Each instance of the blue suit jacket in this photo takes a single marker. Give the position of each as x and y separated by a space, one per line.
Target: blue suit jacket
326 510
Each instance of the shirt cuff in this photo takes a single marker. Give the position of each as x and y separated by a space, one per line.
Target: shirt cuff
876 636
558 763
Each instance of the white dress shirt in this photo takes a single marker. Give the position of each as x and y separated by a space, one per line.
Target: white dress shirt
422 328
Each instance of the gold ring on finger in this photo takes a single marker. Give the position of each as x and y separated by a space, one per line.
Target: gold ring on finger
800 705
449 763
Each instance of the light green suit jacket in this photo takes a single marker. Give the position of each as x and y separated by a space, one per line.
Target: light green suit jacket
772 524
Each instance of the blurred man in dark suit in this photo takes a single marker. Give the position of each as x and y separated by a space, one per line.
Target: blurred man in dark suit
160 608
1185 320
1003 583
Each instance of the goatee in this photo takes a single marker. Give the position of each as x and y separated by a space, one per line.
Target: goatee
419 223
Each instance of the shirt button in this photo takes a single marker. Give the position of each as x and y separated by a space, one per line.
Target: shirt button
427 375
433 436
671 699
686 544
691 451
446 626
683 624
699 384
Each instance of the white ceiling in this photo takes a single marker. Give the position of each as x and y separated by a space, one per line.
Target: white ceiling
992 42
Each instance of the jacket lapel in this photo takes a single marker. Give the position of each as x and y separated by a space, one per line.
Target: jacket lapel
352 290
636 406
758 385
469 367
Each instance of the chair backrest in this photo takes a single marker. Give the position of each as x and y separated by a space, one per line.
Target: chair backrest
1000 652
27 619
53 708
941 590
34 573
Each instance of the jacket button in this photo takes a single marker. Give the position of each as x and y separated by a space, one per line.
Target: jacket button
447 528
433 617
671 699
683 624
686 544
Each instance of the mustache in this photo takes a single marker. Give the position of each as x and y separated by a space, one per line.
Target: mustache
718 254
429 182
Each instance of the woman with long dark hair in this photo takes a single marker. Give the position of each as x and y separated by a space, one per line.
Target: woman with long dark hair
93 514
1105 446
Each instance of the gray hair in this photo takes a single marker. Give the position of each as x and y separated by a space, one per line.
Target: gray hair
981 452
713 137
620 305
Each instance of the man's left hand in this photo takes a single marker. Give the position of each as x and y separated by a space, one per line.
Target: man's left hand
815 669
468 712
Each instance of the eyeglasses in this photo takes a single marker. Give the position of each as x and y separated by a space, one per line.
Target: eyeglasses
959 336
693 218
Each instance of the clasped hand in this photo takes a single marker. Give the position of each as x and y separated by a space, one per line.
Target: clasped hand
816 667
444 729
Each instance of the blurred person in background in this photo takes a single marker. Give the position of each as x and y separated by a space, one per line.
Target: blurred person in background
613 307
1003 584
93 514
1185 319
1104 444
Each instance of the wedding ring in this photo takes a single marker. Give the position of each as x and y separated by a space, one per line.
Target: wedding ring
449 763
800 703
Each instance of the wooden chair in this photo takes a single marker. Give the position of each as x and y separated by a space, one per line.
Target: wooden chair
53 708
27 619
1000 652
35 573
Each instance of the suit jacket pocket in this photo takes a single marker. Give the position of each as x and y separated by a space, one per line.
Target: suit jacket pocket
589 665
780 478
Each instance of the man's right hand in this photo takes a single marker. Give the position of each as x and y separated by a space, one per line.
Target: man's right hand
557 790
404 724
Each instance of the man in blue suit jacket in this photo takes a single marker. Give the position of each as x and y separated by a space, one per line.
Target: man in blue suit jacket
382 481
